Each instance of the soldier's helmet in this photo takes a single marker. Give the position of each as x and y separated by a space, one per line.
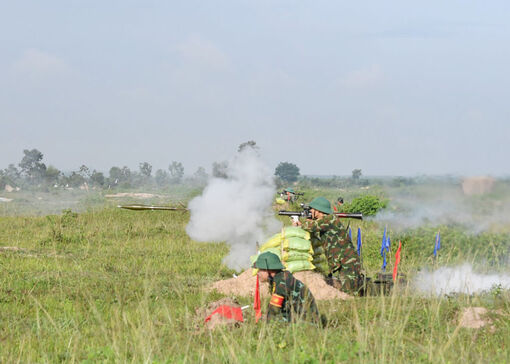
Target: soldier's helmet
268 261
291 190
321 204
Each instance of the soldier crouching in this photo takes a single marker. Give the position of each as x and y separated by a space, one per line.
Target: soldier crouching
291 300
343 260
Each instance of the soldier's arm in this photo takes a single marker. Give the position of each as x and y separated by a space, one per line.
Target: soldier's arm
277 301
313 228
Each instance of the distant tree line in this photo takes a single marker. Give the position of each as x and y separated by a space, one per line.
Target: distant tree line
32 172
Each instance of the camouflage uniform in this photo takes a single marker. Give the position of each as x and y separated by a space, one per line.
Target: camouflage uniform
291 299
343 260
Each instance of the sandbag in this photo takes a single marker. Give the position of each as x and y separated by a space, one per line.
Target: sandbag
319 259
296 255
297 244
295 232
287 233
272 242
298 266
318 251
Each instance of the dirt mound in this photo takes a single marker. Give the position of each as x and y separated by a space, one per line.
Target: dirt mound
320 289
474 318
244 285
477 185
131 194
216 320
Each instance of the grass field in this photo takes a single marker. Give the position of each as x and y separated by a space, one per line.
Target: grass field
109 285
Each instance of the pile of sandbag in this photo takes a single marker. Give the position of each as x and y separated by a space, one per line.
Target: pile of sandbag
318 257
294 248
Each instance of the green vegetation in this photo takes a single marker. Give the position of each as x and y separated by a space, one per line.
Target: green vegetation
110 285
368 205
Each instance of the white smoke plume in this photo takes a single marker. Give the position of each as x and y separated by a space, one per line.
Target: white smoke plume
444 204
461 279
237 209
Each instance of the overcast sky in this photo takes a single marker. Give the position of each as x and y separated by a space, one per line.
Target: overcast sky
391 87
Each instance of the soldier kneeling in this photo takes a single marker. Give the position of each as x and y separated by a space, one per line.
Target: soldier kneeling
291 299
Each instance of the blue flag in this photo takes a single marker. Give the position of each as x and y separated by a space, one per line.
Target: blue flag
359 241
383 244
383 250
350 233
437 244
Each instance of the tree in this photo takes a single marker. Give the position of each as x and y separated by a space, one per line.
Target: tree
75 179
220 169
287 172
125 174
97 178
176 171
119 175
31 165
84 171
12 174
161 177
249 144
52 175
200 175
145 169
115 175
356 174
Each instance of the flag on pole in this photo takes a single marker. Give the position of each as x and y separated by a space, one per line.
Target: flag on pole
437 244
350 233
397 260
383 250
359 242
383 244
256 302
228 312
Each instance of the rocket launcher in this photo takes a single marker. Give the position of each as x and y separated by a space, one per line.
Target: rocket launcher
153 208
306 213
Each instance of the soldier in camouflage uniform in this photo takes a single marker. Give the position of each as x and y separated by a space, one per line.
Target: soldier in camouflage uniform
343 260
291 299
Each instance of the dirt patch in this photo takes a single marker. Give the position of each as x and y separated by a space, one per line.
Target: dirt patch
26 254
244 285
320 289
216 320
131 194
477 185
11 248
474 318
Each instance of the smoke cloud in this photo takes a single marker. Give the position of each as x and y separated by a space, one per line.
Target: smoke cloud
444 205
461 279
236 209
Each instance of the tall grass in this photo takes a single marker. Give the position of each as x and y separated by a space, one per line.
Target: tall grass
121 286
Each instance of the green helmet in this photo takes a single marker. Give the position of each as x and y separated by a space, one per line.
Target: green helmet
289 190
321 204
268 261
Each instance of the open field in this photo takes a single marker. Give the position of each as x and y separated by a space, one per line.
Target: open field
109 285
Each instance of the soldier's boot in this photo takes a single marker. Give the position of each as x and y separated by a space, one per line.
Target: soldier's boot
347 283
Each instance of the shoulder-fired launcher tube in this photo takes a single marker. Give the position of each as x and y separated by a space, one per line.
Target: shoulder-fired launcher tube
307 214
146 207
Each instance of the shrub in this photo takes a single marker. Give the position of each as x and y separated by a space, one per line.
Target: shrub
367 205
